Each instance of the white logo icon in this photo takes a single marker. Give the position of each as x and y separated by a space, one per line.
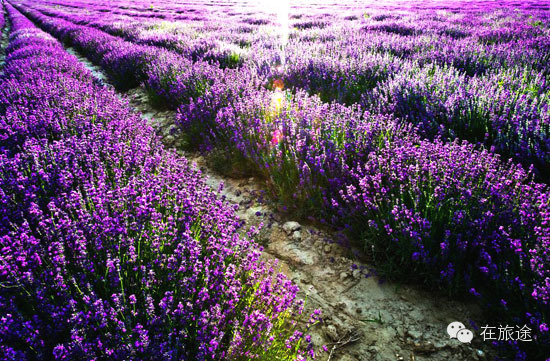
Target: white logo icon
465 336
460 332
454 327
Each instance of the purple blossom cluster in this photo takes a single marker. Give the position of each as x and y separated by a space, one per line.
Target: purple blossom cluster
112 246
508 110
462 218
399 61
409 129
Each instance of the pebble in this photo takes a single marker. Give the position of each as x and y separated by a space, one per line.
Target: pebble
401 331
356 274
479 355
343 276
331 332
291 226
297 236
414 334
424 347
340 306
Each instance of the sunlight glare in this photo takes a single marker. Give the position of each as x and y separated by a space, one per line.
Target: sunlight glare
280 9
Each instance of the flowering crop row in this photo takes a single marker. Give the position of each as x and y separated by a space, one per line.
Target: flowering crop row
460 217
488 86
110 245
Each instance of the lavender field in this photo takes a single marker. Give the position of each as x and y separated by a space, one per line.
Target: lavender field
411 137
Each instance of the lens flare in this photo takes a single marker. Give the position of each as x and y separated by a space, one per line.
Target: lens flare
280 9
277 137
278 84
277 100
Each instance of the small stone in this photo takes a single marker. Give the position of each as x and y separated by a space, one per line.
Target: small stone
343 276
480 355
424 347
356 274
327 248
297 236
414 334
292 226
373 349
331 332
454 345
341 306
401 331
416 315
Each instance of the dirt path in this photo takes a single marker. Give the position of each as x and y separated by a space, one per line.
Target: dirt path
363 318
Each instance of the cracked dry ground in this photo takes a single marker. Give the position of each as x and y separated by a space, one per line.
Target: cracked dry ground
363 317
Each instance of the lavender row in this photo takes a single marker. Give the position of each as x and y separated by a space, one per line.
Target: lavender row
475 54
172 80
516 125
111 246
185 42
472 44
507 111
460 217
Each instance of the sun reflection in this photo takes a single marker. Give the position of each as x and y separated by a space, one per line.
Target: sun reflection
277 100
278 95
278 84
280 9
277 137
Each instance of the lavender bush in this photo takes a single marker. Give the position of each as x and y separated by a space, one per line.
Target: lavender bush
111 245
404 129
